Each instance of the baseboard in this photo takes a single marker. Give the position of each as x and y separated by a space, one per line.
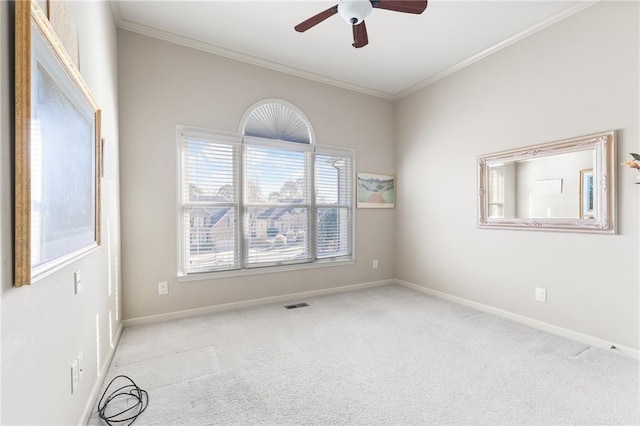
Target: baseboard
550 328
86 413
248 303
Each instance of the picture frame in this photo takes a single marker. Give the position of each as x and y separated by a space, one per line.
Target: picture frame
65 28
57 152
587 198
595 153
375 191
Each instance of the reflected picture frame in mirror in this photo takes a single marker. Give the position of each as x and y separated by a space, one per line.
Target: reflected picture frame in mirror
506 198
586 194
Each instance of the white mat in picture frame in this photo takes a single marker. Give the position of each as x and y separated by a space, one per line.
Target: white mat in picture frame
375 191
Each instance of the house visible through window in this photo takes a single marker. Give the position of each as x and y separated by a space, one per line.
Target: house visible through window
269 197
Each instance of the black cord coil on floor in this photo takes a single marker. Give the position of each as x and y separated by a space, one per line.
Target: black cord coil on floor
130 390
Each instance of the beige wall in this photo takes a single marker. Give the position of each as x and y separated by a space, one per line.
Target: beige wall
566 203
163 84
576 77
44 326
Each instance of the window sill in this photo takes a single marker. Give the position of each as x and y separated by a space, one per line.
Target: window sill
264 270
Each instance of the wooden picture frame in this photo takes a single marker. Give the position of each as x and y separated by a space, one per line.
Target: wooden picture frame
586 194
375 191
65 28
57 152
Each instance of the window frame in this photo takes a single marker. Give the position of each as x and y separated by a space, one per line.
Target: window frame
328 150
243 269
496 185
253 141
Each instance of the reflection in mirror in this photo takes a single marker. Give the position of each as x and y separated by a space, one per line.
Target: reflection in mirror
561 186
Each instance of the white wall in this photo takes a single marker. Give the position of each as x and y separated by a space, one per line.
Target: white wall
163 84
44 326
566 167
577 77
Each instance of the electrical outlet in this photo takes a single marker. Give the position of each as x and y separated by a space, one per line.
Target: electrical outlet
75 377
80 366
77 282
163 288
375 264
541 294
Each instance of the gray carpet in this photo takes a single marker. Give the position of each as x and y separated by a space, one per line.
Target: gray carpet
386 355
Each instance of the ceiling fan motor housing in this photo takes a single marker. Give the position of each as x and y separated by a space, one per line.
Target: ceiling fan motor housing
354 11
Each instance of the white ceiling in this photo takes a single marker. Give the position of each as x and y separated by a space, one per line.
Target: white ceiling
405 52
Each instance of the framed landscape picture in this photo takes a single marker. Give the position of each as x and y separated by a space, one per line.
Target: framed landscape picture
375 191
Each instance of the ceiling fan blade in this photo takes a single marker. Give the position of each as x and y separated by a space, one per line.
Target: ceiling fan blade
316 19
360 38
406 6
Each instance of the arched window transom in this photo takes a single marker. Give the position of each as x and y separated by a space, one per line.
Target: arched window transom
277 119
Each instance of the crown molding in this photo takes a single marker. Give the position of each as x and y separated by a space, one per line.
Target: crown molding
115 12
263 63
242 57
563 14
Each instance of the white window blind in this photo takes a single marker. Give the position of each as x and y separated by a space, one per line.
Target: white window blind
252 203
496 191
277 203
333 196
210 203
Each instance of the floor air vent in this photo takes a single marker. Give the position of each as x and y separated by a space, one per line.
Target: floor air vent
297 305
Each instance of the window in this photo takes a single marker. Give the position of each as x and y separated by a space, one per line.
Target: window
210 202
496 191
269 198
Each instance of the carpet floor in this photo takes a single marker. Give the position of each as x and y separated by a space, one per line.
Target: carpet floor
385 355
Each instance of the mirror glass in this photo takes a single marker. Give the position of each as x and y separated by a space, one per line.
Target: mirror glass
566 185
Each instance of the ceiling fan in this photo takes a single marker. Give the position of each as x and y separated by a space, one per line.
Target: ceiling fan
355 11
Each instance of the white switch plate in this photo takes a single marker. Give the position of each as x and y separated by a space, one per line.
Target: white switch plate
163 288
77 282
541 294
375 264
75 377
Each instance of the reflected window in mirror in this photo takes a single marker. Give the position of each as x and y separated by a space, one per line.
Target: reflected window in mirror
502 195
496 190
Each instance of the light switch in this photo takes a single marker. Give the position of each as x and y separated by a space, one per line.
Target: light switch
77 282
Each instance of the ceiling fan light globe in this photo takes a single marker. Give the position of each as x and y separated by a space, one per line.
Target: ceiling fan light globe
354 9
